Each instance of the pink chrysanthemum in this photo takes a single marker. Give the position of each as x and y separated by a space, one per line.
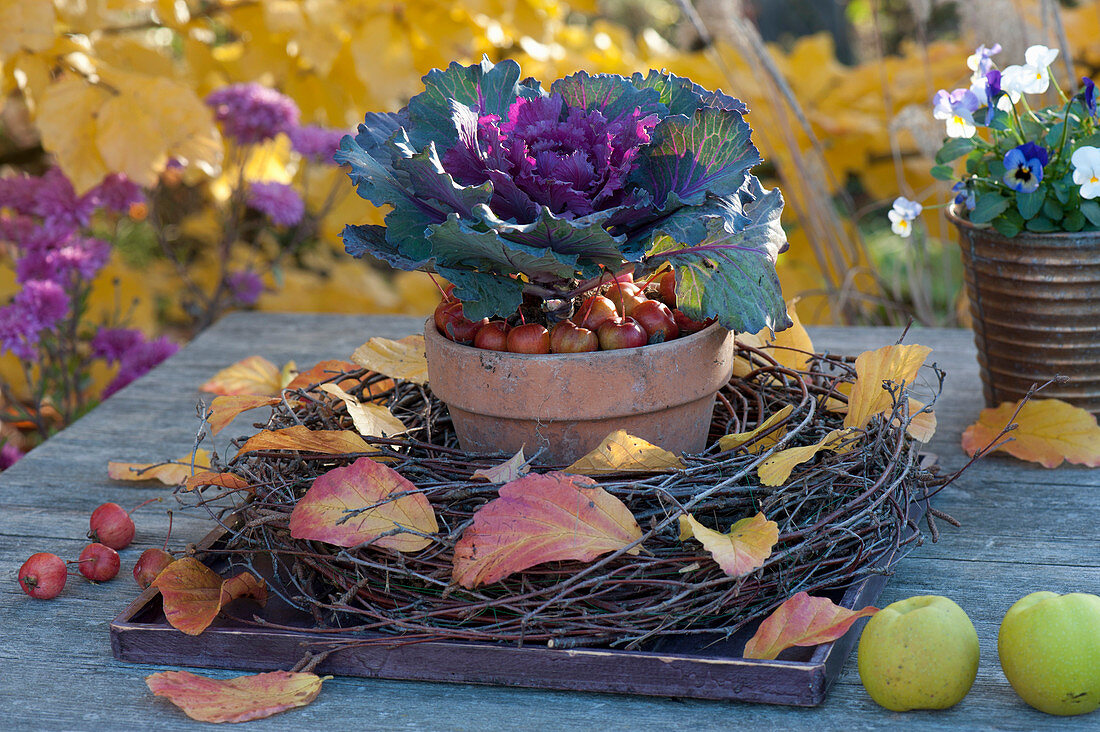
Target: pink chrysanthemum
252 113
280 202
313 141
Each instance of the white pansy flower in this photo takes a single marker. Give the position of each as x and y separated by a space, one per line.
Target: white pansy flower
1086 170
902 214
1034 76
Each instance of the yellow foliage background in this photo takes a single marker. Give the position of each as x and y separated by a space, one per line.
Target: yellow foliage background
118 85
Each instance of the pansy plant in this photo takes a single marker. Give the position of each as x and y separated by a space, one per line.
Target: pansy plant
1022 168
517 193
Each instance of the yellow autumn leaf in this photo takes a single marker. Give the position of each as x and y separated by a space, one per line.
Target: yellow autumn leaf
1048 432
66 120
898 364
776 469
511 469
790 347
151 120
402 359
921 426
746 546
623 453
737 439
172 472
371 420
26 25
254 375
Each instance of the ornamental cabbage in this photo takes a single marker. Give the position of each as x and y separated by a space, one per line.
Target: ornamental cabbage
507 190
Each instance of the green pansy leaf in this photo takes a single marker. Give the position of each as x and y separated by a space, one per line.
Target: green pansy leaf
988 207
943 172
954 149
1007 226
1091 211
1041 225
1052 209
1029 204
1002 120
1073 221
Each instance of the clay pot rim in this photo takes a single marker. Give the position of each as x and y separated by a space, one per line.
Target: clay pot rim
953 214
651 348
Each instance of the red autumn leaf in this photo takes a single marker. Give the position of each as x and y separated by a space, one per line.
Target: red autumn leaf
223 480
194 594
235 700
802 621
324 371
507 471
224 409
382 500
327 442
542 518
253 375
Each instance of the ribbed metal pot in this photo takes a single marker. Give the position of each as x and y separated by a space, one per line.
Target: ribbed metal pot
1035 302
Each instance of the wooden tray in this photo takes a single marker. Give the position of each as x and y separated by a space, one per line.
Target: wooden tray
679 667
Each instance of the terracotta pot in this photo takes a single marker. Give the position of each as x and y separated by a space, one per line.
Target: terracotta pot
1035 302
566 404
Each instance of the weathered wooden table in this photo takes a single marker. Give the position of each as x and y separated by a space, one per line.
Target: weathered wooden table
1024 529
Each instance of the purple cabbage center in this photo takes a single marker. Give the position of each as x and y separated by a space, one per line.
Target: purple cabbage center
571 160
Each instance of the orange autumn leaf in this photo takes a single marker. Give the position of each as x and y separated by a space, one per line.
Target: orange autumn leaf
172 472
402 359
327 442
224 409
364 502
737 439
222 480
542 518
776 469
235 700
371 420
898 364
1049 432
507 471
254 375
323 371
623 453
746 546
802 621
194 594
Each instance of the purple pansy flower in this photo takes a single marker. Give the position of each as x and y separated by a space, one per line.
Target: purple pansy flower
981 61
571 160
1024 167
1088 95
280 202
252 113
965 195
957 110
